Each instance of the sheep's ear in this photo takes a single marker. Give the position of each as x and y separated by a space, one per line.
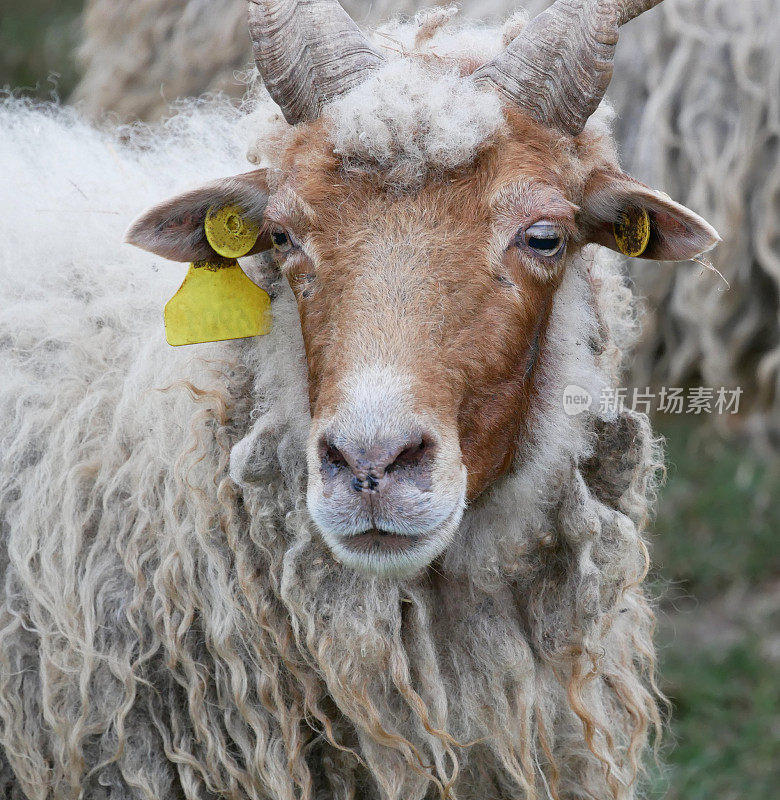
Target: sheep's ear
174 229
613 198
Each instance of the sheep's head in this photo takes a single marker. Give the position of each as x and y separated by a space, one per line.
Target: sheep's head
425 278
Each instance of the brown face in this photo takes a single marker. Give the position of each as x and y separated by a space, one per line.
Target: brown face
423 313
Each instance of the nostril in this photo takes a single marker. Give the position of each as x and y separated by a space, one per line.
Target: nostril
331 457
334 456
413 454
364 467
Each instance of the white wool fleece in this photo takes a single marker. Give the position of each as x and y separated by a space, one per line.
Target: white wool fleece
409 118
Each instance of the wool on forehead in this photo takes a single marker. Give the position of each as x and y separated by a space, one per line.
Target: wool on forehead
410 118
420 112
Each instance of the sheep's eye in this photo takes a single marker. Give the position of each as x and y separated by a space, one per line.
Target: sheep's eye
544 238
281 240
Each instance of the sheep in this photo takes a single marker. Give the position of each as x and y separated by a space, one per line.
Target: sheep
369 554
695 93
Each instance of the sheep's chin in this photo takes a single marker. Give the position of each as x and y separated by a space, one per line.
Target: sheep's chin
400 555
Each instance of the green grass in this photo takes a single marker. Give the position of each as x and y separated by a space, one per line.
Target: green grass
717 537
719 515
37 42
726 738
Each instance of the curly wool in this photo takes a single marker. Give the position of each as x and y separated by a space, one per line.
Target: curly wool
165 634
408 119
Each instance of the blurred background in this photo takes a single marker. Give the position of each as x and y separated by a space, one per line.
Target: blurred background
697 92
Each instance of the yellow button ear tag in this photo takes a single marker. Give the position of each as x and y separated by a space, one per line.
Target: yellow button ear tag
229 232
632 231
217 301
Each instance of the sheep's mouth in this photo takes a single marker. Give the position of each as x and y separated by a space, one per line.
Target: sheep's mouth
388 552
376 541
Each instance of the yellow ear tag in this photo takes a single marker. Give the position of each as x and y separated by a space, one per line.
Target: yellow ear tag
632 231
229 232
217 301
